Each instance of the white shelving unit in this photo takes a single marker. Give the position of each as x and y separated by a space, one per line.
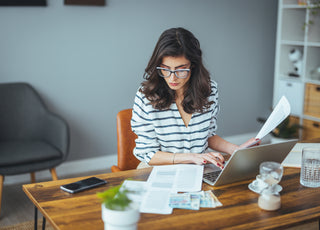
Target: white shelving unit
291 34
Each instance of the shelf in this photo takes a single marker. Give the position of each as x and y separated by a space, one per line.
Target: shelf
300 43
313 44
292 3
288 78
313 81
292 43
297 79
311 118
293 35
293 6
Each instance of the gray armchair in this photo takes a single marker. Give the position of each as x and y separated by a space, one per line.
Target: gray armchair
31 137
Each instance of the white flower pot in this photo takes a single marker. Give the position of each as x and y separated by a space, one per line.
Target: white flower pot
120 220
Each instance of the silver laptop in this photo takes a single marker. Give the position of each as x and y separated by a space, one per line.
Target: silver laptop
244 163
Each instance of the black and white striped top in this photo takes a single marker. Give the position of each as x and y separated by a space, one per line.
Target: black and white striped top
164 130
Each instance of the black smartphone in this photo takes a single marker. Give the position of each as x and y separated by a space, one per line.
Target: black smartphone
83 185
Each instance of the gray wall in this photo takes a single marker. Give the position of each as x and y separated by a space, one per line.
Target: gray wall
87 62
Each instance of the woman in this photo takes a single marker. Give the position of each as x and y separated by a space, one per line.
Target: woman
175 109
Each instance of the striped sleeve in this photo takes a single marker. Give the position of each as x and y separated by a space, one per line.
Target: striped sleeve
141 123
215 109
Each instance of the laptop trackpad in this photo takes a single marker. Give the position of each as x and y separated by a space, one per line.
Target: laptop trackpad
211 168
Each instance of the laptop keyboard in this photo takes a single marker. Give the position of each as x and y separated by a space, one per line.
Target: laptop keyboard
211 177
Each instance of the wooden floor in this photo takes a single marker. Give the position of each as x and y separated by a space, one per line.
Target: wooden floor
17 208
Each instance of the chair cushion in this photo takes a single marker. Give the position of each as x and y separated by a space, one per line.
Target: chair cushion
24 152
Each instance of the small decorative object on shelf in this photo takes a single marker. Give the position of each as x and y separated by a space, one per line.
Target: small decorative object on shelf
315 74
117 210
295 56
302 2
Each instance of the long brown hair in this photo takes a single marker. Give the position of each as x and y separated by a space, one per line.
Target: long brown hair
176 42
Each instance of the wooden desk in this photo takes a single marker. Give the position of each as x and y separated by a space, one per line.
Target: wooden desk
239 210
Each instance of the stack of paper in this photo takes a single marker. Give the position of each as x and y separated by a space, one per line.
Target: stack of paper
154 194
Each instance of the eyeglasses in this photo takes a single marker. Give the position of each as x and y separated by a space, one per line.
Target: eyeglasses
179 73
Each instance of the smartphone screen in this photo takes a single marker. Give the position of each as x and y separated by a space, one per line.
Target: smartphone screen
83 185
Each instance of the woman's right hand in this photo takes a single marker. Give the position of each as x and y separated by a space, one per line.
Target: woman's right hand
250 143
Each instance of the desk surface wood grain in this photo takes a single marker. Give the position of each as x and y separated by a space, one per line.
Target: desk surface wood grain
239 211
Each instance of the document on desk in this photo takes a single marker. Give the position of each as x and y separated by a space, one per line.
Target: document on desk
170 179
156 201
137 190
280 112
293 159
177 178
148 200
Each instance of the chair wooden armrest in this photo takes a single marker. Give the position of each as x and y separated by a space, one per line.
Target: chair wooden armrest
115 168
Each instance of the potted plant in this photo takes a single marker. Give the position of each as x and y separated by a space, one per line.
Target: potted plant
117 210
285 130
313 7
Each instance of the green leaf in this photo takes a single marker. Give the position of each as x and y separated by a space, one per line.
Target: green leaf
115 199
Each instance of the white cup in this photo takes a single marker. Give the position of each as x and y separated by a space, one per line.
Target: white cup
310 167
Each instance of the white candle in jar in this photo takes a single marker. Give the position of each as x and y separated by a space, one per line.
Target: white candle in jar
269 202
